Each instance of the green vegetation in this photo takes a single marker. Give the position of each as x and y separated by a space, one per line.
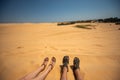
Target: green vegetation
83 26
115 20
87 25
109 20
65 23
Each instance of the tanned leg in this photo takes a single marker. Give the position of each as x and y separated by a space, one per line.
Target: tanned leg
49 68
64 74
77 74
76 68
65 68
36 72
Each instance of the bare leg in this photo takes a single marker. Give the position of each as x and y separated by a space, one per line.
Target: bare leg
36 72
77 74
76 68
65 68
45 73
64 74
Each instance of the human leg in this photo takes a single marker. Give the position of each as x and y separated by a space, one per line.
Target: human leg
36 72
49 68
76 68
77 74
65 68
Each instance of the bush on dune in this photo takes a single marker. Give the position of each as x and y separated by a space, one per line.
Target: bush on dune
65 23
83 26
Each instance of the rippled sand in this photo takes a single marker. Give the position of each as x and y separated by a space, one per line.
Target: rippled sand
24 46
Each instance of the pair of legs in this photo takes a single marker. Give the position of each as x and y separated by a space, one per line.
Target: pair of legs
76 69
35 75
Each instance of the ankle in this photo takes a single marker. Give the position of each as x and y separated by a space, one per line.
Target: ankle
65 68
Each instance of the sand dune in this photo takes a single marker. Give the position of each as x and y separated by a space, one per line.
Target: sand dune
24 46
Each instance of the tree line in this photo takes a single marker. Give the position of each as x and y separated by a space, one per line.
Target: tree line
115 20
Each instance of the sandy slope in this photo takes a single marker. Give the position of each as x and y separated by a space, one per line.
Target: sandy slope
24 46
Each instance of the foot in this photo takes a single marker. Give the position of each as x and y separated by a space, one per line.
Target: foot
66 62
52 63
45 62
76 63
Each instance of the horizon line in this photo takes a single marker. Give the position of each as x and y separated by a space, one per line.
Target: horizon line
53 21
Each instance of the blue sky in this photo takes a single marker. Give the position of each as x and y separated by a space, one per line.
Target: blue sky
57 10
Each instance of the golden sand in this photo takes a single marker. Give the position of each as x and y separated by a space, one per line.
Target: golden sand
24 46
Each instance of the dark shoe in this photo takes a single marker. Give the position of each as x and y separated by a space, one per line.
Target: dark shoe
76 63
66 62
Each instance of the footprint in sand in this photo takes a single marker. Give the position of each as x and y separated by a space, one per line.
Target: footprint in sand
32 62
64 50
98 45
45 46
19 47
53 48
